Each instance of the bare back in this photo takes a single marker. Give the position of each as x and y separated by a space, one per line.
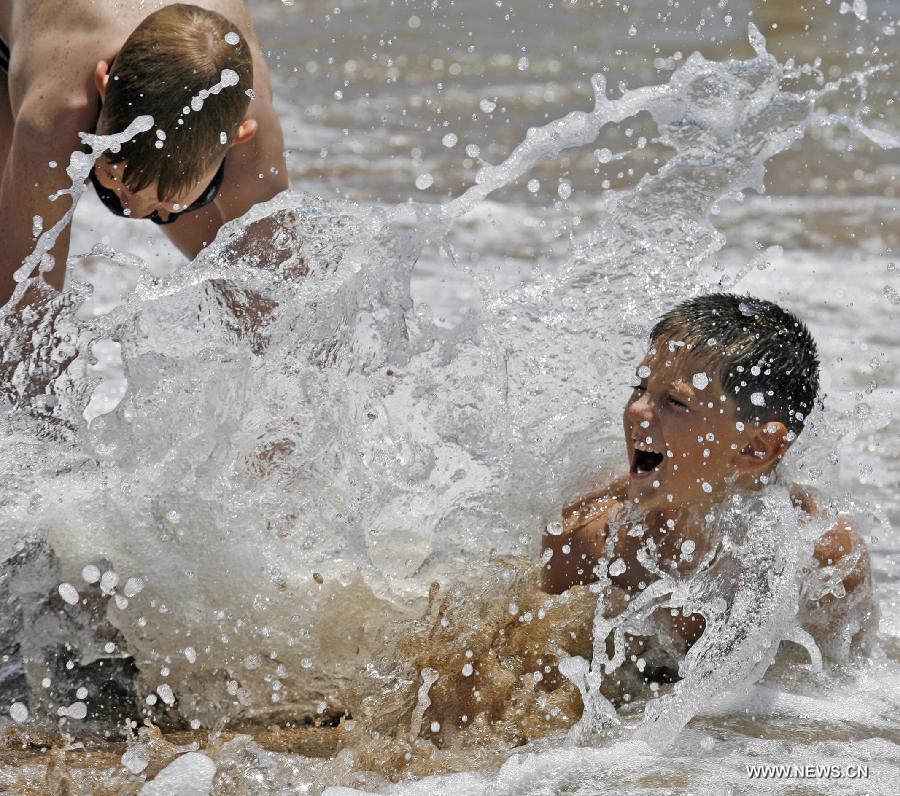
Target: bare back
55 44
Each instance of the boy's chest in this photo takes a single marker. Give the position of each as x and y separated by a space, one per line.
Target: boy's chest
639 559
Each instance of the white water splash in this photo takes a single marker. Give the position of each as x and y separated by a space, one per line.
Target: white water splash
301 451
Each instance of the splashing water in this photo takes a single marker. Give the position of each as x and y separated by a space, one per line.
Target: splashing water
301 450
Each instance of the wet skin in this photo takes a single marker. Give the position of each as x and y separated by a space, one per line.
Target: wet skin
61 56
687 449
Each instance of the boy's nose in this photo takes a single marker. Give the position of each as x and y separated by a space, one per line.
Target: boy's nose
641 409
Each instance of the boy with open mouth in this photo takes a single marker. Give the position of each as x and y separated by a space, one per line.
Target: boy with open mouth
725 388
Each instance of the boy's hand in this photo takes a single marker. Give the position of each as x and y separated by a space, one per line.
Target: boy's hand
835 545
840 611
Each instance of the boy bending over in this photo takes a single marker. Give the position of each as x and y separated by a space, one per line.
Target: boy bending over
216 147
723 391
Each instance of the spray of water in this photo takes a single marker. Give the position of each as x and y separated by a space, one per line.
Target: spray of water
301 451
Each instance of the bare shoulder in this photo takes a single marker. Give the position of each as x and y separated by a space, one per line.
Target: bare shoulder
54 71
575 551
603 503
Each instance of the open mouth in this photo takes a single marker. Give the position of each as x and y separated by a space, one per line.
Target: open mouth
644 462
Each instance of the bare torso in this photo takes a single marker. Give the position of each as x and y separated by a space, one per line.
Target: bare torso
590 522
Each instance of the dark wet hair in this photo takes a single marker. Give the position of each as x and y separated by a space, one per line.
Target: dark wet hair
763 355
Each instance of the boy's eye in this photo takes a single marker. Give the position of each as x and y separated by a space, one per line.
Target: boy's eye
676 402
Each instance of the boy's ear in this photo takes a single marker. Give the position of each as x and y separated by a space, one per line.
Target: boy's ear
245 132
764 447
101 78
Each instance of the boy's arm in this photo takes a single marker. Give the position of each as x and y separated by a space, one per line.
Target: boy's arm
46 129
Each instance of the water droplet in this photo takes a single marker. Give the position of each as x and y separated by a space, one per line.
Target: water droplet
81 693
758 399
707 487
467 670
424 181
487 106
18 712
136 759
700 381
643 372
617 567
522 64
252 662
166 694
603 155
473 150
227 77
232 38
77 710
450 140
191 654
90 573
435 726
414 22
108 582
69 593
564 191
554 528
859 8
534 186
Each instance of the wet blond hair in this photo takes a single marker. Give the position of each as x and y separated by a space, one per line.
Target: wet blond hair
176 55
